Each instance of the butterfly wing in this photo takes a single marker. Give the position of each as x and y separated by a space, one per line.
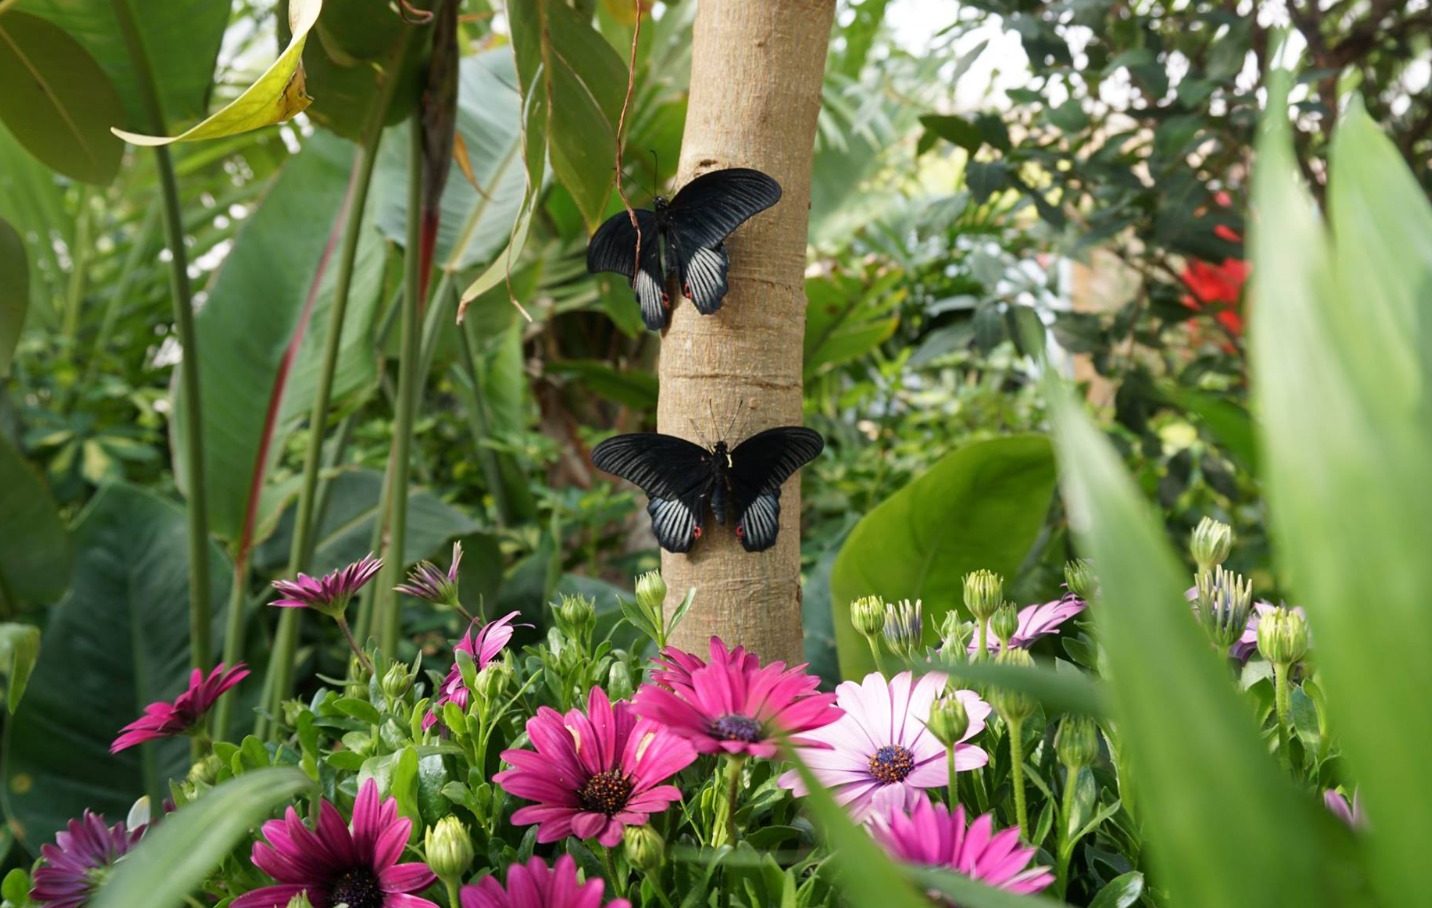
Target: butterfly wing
674 473
700 218
759 466
614 248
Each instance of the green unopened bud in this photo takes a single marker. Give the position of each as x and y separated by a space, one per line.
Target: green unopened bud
904 626
955 635
868 615
300 901
1077 742
948 720
1282 636
1013 705
449 848
397 681
644 848
619 682
651 592
1003 624
206 770
1210 544
1079 578
577 617
1225 600
491 682
984 592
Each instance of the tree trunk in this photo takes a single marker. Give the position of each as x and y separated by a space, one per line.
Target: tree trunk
756 73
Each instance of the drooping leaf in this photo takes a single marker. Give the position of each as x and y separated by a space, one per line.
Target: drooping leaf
981 506
176 856
19 648
277 95
35 554
14 292
118 642
57 100
360 46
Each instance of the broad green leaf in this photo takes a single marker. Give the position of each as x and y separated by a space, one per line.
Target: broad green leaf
974 894
35 562
1211 798
118 642
57 100
19 648
953 129
633 388
180 853
33 199
981 506
1121 892
847 317
14 292
275 96
359 45
1341 362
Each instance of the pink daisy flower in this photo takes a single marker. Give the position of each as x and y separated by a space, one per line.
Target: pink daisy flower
593 774
67 876
734 705
483 647
166 720
334 863
534 885
425 581
1037 621
330 593
930 836
1350 812
879 756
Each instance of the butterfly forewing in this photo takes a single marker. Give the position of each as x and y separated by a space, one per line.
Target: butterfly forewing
614 248
759 466
676 474
708 208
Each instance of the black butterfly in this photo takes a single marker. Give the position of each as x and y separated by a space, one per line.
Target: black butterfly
684 236
682 478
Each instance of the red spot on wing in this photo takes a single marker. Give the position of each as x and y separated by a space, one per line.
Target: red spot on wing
740 531
696 532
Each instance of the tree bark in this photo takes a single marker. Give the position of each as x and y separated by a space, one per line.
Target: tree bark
756 74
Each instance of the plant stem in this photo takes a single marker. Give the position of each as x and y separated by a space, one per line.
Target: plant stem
1016 774
233 642
192 441
733 787
1066 835
983 651
386 608
1283 704
875 654
451 885
353 644
953 794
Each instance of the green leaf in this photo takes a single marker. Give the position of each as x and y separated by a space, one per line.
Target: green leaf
19 648
357 50
57 101
1166 679
35 563
1121 892
118 642
1059 691
972 893
635 389
845 319
954 129
14 292
180 853
1340 356
981 506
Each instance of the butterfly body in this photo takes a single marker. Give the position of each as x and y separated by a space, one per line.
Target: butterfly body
740 485
682 239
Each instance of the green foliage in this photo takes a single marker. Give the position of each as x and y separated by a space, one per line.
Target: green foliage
34 561
14 293
19 648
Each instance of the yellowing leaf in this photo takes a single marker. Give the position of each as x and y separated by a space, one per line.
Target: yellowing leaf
276 96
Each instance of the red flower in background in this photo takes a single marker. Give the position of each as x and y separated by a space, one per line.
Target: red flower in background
1218 288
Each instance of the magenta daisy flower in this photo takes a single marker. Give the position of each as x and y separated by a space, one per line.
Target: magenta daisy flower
330 593
930 836
733 704
1037 621
483 647
336 864
535 885
425 581
166 720
1350 812
879 756
68 873
593 774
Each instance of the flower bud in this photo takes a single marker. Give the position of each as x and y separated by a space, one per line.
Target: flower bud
644 847
206 771
1282 636
397 681
491 682
619 682
1079 578
904 626
868 615
1224 601
948 720
1013 705
300 901
449 848
1077 742
1003 624
651 592
577 617
955 635
1210 544
984 592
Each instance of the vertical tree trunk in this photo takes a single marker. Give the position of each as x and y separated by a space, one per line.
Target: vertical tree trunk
756 73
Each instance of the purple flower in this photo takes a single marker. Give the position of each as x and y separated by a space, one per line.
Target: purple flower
335 864
67 874
1037 621
880 756
593 774
931 836
166 720
733 704
425 581
330 593
534 885
1350 813
483 648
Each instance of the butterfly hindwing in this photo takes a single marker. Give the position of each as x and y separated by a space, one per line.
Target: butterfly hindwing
703 274
614 248
674 473
759 466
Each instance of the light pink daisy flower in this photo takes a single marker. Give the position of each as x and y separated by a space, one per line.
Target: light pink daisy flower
335 864
879 756
167 720
69 871
1037 621
930 836
593 774
733 704
534 885
1351 813
330 593
483 647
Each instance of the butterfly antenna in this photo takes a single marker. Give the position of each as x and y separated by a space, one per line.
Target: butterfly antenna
737 420
696 431
655 172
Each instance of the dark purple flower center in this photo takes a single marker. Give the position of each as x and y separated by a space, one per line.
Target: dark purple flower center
736 728
357 888
605 792
891 764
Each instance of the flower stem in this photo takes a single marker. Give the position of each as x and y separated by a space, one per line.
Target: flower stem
1066 835
1283 704
451 884
954 782
875 652
1016 774
733 786
983 652
353 644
